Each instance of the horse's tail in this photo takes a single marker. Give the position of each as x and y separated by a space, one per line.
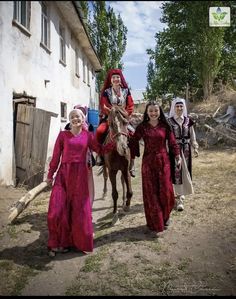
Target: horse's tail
100 170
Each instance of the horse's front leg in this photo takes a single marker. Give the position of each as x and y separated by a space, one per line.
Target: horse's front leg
112 176
105 177
123 189
129 193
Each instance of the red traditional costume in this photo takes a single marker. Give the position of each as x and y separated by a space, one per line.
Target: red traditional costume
158 193
109 97
70 211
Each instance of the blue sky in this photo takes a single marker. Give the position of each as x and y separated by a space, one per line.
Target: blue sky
142 19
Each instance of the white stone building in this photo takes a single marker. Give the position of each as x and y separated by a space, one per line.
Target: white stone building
47 65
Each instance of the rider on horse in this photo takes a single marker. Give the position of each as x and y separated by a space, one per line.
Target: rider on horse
115 92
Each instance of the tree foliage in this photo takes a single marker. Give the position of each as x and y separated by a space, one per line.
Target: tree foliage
188 51
108 34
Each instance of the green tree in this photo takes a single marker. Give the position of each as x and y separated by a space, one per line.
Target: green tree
108 34
228 59
188 51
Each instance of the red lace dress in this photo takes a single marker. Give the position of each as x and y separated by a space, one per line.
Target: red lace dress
158 193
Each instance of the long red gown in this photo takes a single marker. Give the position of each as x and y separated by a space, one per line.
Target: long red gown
70 211
158 193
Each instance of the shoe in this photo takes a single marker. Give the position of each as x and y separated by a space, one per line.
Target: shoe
180 207
180 203
59 250
166 224
155 234
51 253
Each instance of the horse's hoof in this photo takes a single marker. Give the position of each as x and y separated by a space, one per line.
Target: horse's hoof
126 208
104 196
115 220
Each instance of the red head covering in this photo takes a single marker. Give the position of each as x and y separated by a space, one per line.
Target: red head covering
110 73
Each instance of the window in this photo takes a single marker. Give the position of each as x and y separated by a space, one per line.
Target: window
45 26
84 71
88 75
77 63
93 74
63 112
62 44
22 13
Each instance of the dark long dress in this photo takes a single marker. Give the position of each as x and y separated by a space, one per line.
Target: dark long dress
158 193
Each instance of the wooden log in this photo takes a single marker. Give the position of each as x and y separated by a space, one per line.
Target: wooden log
25 200
218 132
216 111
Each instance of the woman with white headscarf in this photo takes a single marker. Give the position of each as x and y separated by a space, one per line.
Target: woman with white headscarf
185 136
70 208
90 157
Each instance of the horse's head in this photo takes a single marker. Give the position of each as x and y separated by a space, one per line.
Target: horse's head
118 120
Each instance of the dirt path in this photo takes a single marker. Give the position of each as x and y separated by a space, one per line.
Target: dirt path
195 256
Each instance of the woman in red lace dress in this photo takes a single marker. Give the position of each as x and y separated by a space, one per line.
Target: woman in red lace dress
158 193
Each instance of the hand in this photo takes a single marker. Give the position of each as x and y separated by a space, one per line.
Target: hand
107 108
195 153
49 182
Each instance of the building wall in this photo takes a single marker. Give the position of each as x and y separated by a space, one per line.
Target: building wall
24 67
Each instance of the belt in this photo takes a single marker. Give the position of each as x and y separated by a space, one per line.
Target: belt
182 140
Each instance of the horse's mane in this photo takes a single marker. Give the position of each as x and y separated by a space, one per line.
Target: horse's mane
120 112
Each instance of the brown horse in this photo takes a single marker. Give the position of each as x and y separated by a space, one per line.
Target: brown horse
118 159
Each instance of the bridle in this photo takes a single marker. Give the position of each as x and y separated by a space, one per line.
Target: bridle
114 136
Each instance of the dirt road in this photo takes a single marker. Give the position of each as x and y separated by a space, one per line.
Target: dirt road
195 256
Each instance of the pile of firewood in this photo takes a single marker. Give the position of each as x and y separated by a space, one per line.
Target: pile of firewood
212 129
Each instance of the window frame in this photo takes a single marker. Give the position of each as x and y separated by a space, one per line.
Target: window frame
22 15
45 19
63 112
77 68
62 44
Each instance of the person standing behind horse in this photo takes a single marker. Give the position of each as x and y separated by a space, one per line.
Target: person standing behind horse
158 192
70 210
185 136
115 91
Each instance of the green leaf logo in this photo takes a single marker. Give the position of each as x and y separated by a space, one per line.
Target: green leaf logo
219 16
222 15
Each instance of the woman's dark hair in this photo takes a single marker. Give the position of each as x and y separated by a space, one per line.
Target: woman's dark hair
162 117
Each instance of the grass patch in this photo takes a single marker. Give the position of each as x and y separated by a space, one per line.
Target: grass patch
93 263
13 278
12 231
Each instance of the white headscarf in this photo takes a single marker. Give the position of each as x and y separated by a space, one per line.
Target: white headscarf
172 108
78 111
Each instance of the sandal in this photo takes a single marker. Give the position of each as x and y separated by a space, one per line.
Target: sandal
51 253
60 250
